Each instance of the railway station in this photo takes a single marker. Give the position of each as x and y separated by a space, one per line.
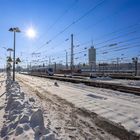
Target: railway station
70 70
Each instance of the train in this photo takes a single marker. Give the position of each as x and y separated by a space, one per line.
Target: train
42 70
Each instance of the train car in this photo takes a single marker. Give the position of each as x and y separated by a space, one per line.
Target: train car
42 70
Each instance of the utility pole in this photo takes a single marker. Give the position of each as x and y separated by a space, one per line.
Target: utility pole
46 62
49 61
136 66
117 64
72 62
30 65
66 60
27 68
135 61
55 67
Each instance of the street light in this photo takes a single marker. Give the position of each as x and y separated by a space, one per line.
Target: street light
14 30
10 50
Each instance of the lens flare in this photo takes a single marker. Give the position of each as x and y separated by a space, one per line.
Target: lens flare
31 33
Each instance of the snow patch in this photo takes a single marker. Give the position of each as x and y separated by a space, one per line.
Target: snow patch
21 120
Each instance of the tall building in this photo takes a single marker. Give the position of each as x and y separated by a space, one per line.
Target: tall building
92 57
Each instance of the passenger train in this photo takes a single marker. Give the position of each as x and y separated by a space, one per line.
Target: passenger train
42 70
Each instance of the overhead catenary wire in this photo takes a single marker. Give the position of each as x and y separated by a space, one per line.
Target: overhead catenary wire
123 41
59 18
119 49
102 52
71 24
77 20
117 42
49 40
120 42
114 38
101 20
108 34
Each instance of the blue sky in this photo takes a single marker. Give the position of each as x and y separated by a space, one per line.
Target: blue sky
113 21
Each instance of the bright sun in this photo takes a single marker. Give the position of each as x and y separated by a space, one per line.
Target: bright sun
31 33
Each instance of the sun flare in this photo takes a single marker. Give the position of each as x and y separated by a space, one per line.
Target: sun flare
31 33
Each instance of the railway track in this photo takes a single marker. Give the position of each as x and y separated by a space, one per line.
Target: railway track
100 84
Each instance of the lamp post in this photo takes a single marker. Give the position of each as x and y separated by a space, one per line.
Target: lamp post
14 30
10 50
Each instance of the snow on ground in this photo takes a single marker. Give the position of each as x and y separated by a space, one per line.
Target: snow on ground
65 120
118 107
28 115
135 83
2 98
20 120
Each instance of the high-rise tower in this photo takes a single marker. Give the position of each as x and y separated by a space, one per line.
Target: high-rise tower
92 57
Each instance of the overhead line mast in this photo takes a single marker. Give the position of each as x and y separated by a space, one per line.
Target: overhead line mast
72 60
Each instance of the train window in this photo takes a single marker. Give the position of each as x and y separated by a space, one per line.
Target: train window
50 69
